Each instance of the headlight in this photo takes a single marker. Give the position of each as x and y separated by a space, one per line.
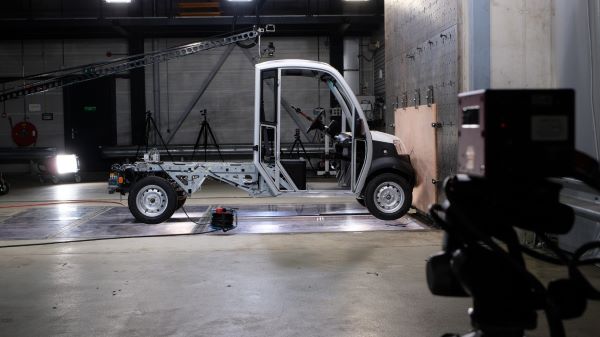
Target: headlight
400 148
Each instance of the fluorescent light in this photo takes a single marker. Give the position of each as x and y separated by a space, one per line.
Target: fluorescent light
66 163
118 1
239 0
356 0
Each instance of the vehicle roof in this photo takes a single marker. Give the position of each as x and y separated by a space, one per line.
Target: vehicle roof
296 63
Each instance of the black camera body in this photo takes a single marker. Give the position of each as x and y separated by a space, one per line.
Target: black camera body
510 142
516 133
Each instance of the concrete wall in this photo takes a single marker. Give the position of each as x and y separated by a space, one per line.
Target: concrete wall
229 99
499 44
521 44
547 44
358 64
421 49
352 63
576 57
29 57
506 44
576 51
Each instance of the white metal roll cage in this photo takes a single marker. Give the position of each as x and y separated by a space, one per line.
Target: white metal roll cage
343 90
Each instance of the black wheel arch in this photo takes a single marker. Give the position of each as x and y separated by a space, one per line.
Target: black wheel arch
399 165
132 177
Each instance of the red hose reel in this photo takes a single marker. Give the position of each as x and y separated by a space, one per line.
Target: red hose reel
24 133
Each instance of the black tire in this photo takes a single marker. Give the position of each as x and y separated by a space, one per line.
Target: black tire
152 200
180 202
361 201
388 196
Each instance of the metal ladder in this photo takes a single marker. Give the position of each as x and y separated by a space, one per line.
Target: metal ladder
64 77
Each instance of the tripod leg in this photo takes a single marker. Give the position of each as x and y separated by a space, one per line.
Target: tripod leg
146 136
160 137
292 148
307 157
214 141
202 130
206 139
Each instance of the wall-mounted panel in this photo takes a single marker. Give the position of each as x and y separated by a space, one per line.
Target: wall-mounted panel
414 126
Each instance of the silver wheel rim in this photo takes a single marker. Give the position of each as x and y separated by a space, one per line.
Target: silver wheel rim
152 200
389 197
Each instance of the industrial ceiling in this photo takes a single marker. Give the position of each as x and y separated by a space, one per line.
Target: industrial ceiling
31 19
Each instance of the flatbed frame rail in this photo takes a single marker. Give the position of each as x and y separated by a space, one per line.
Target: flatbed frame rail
190 176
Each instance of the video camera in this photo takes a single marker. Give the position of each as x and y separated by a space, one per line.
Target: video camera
510 143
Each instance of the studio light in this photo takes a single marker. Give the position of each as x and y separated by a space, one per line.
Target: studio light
66 163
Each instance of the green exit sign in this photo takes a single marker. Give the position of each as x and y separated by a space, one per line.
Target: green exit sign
89 108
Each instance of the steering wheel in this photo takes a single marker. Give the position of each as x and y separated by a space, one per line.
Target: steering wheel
316 124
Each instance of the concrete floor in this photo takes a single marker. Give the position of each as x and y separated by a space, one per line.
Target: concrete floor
356 283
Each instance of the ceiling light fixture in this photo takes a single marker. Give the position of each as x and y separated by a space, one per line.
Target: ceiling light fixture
117 1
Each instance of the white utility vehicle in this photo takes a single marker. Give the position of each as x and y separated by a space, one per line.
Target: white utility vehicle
371 165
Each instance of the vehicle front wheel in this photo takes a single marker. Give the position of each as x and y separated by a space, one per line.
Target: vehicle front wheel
388 196
152 200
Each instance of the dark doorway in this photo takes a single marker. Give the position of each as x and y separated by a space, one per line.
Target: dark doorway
90 121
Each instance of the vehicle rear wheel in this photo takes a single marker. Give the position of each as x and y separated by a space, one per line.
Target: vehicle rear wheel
152 200
180 202
388 196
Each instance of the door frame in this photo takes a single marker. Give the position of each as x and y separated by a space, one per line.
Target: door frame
69 110
274 173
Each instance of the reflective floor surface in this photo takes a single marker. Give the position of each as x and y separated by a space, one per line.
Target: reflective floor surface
82 221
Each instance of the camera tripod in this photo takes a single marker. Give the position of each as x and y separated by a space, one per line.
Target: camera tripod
205 131
298 145
506 296
151 126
